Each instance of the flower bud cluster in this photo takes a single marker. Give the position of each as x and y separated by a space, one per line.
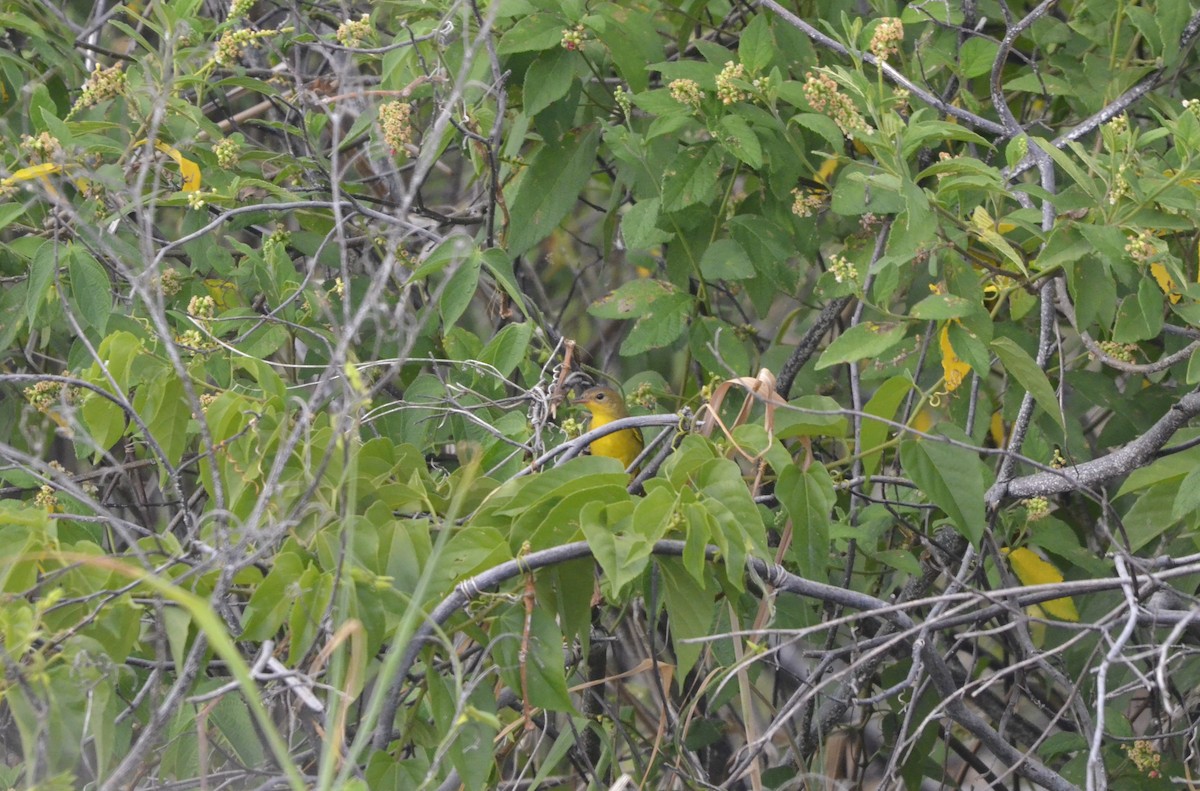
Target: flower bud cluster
842 269
1143 248
686 92
727 91
825 97
809 203
44 147
102 84
234 43
396 125
886 39
228 152
573 37
353 32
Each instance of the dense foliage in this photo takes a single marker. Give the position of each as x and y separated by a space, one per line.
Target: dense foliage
295 297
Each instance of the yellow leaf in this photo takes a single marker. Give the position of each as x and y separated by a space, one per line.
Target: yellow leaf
32 172
188 170
1165 282
954 369
1031 569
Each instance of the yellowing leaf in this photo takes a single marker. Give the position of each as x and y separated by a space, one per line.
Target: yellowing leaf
188 170
991 234
1031 569
34 172
1165 282
224 293
30 173
953 368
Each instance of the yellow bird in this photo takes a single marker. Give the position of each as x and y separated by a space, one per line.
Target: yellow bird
607 405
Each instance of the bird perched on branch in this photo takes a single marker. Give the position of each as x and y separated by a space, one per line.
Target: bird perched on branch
607 405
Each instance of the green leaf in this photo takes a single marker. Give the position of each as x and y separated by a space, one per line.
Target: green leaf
868 339
822 125
90 288
899 559
1151 515
970 348
756 46
860 190
976 56
985 228
885 403
1025 370
632 299
509 347
950 477
162 404
549 189
1069 166
472 752
12 299
921 134
316 587
661 326
725 496
1140 317
1065 245
726 260
1193 369
814 416
498 264
1171 16
232 720
548 79
103 420
691 178
178 623
808 498
770 249
531 33
547 523
639 225
739 139
270 601
541 669
459 290
621 552
10 213
632 38
939 307
41 275
690 608
1188 500
715 345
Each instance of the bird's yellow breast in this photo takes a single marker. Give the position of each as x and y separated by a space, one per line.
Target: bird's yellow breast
606 405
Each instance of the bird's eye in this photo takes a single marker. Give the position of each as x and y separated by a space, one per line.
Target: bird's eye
599 396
